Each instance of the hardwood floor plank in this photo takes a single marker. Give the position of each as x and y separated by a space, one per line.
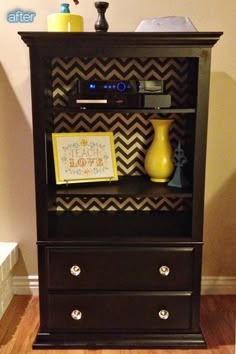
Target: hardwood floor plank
19 325
11 321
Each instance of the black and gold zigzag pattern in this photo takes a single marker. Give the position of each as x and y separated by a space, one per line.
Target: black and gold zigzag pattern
133 134
122 203
176 73
132 131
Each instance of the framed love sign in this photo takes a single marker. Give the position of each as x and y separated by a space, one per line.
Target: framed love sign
84 157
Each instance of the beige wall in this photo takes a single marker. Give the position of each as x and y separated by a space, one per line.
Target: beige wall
17 211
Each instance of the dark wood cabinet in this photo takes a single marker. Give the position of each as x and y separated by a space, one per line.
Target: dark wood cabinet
120 262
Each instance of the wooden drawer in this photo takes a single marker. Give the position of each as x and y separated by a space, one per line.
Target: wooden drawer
122 268
113 312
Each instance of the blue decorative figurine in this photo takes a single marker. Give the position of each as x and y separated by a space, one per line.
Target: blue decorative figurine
179 159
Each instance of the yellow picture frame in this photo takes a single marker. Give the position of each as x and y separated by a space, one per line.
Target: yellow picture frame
84 157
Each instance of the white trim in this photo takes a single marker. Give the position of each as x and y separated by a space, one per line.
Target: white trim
25 285
218 285
28 285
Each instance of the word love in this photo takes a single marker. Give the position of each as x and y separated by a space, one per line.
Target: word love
20 16
82 162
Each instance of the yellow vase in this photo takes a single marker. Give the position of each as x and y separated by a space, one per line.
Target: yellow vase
158 161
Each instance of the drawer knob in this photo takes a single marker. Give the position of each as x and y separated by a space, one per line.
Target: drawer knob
164 271
75 270
163 314
76 315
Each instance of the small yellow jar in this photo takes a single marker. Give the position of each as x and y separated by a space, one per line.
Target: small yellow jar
65 23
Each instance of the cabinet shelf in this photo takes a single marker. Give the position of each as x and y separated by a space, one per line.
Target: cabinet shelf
129 194
108 225
62 109
129 186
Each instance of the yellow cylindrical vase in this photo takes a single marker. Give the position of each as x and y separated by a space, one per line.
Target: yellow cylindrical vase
158 161
65 22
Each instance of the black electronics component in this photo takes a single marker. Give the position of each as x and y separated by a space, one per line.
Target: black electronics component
91 87
120 93
156 101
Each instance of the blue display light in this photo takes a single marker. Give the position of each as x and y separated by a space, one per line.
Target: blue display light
121 86
92 86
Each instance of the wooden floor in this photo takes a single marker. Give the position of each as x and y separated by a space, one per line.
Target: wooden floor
19 325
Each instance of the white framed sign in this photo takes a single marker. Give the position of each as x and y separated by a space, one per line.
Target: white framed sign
84 157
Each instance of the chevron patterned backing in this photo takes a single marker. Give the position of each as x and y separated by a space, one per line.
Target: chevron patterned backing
133 132
121 203
176 73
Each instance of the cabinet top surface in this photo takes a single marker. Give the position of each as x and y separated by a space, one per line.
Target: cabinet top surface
116 39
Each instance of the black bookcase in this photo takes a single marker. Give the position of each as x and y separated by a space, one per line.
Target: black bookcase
120 262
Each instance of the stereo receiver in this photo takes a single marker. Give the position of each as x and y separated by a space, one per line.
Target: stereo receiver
120 93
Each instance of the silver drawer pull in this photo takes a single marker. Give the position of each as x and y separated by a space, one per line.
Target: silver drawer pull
75 270
164 271
163 314
76 315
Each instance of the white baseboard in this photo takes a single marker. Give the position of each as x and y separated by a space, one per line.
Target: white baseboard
25 285
28 285
218 285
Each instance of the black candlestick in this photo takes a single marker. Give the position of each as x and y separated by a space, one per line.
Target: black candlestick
101 24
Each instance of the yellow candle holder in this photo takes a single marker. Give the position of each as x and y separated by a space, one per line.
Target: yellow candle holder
65 22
